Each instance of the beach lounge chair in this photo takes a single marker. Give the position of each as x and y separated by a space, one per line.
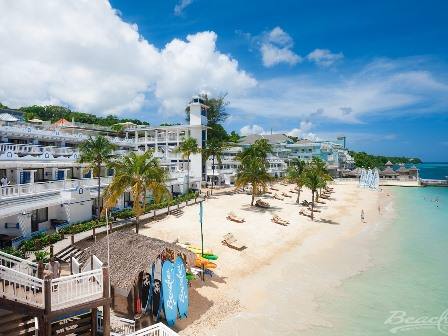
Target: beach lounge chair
315 210
230 241
278 197
234 218
273 188
293 191
278 220
286 195
305 203
304 213
261 204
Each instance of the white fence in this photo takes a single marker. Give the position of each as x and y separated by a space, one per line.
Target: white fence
19 282
74 289
158 329
20 287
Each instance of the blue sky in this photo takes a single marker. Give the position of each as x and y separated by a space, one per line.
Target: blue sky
374 71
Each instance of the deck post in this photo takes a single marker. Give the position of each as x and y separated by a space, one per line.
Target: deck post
106 307
51 251
94 233
40 270
47 301
93 316
168 210
72 239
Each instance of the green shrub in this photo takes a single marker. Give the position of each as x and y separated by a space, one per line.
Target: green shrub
42 256
14 252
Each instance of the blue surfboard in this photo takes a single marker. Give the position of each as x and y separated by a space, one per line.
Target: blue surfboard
181 278
170 292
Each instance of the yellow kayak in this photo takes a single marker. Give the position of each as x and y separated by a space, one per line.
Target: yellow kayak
196 249
199 262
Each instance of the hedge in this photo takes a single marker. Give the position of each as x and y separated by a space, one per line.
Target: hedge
43 239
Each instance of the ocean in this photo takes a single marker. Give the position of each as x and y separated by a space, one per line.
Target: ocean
405 291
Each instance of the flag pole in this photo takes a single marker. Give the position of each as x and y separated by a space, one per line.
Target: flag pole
201 213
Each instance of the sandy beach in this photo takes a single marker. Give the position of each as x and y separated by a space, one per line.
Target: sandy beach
273 285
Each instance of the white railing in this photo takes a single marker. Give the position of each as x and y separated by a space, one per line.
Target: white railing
158 329
75 266
18 190
75 289
20 287
18 264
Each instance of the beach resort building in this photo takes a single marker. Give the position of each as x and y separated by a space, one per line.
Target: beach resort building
43 185
284 149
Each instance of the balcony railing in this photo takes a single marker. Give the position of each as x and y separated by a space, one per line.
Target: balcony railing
50 186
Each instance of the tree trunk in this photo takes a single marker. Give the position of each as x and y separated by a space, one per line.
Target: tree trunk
137 220
188 174
312 206
253 197
98 208
213 170
298 196
317 196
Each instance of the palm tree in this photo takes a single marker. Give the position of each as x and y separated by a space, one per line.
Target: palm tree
139 172
253 173
186 148
253 168
215 149
312 180
321 168
96 152
295 174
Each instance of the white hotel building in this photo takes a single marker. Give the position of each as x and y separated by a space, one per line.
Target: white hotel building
44 186
285 149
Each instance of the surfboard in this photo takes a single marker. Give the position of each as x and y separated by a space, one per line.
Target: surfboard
156 287
170 292
181 279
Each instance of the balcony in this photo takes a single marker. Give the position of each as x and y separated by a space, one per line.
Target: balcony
40 188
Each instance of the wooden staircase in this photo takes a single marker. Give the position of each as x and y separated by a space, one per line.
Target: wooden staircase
65 254
14 324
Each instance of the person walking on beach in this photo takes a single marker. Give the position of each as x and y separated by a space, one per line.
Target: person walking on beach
379 209
362 215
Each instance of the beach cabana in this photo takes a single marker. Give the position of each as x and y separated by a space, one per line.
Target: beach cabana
389 173
36 121
131 259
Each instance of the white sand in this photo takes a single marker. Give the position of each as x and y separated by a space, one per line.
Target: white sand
272 286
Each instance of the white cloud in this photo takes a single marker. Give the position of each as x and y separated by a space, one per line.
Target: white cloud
303 131
82 54
181 5
251 129
324 57
392 88
276 47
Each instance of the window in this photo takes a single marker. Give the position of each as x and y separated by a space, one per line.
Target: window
38 216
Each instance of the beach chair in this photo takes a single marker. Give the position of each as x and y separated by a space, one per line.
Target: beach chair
276 219
304 213
261 204
234 218
286 195
278 197
272 188
230 241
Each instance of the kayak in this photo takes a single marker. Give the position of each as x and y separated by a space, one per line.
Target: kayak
209 256
199 262
196 249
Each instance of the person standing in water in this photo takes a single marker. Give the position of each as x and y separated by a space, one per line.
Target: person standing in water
362 215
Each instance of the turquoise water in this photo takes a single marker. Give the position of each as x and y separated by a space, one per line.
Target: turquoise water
409 272
433 170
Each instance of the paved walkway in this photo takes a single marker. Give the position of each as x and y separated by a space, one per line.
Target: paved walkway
62 244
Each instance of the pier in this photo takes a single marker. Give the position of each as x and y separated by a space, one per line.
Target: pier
436 183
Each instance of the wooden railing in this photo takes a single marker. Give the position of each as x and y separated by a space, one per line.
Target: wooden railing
75 289
158 329
20 287
18 264
19 282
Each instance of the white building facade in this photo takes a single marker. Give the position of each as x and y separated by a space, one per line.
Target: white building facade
43 186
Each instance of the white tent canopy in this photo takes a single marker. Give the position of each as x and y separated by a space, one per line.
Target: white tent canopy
8 117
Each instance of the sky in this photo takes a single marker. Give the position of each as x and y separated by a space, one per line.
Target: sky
374 71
